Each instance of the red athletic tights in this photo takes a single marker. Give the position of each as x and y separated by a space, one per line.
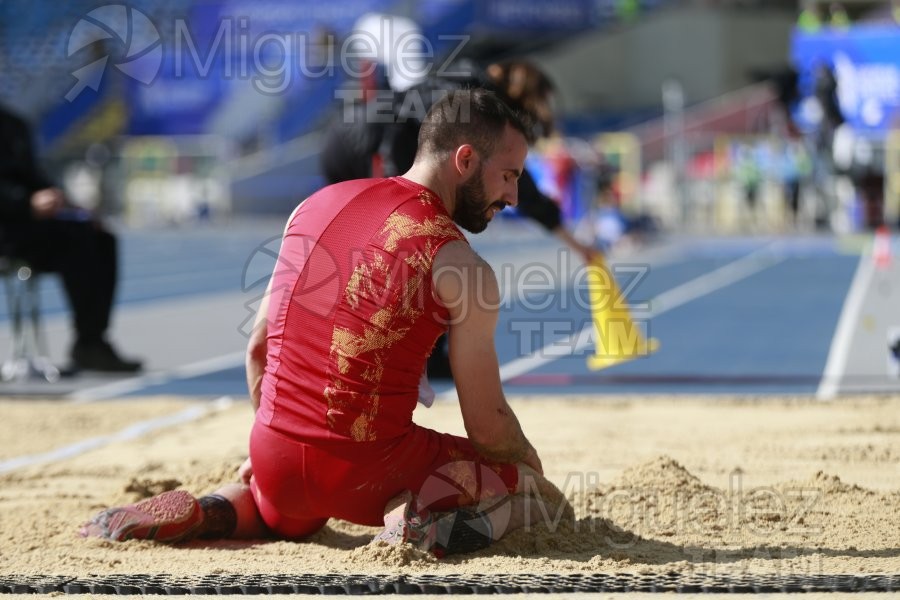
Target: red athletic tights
298 486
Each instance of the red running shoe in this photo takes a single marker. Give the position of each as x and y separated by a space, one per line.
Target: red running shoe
169 517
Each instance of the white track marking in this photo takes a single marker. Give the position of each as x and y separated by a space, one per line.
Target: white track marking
131 432
836 364
119 388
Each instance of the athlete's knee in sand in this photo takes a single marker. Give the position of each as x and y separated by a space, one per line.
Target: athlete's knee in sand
248 523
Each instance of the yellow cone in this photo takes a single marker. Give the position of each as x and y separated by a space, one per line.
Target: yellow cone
618 338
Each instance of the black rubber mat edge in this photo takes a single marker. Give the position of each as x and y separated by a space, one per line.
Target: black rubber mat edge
336 584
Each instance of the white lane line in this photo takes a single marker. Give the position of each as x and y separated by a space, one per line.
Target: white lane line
131 432
839 352
691 290
715 280
127 386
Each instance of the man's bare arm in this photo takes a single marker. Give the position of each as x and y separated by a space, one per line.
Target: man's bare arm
256 350
467 286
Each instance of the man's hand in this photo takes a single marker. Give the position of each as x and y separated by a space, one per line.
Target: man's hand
245 472
47 202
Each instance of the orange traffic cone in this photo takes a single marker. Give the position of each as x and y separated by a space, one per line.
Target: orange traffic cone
881 248
618 338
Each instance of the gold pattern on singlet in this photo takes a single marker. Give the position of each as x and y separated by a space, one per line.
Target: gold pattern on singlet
346 344
398 288
426 198
421 260
333 400
362 281
385 328
412 304
399 227
361 430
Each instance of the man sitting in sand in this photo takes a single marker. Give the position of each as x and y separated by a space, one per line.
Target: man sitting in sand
369 274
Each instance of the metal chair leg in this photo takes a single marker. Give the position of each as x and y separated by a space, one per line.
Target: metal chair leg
16 366
40 358
29 349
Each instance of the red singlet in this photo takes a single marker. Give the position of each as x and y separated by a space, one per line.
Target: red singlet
352 318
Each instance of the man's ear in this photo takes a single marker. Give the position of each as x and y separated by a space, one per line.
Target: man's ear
466 160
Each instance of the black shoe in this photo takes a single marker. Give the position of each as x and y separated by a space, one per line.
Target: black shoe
100 356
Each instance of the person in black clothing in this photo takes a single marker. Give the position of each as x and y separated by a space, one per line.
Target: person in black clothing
37 225
370 145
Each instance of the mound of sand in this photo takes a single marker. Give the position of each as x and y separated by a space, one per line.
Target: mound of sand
661 473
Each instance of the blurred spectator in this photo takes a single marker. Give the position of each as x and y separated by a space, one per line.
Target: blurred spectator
38 225
610 224
794 169
748 174
838 18
825 92
612 227
810 18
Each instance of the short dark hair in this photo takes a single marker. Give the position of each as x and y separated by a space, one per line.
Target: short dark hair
468 116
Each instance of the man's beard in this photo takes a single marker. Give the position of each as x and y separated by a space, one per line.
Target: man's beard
472 209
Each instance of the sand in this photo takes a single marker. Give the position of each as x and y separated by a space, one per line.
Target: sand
723 485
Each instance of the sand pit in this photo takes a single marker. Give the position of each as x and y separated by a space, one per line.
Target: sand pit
770 486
